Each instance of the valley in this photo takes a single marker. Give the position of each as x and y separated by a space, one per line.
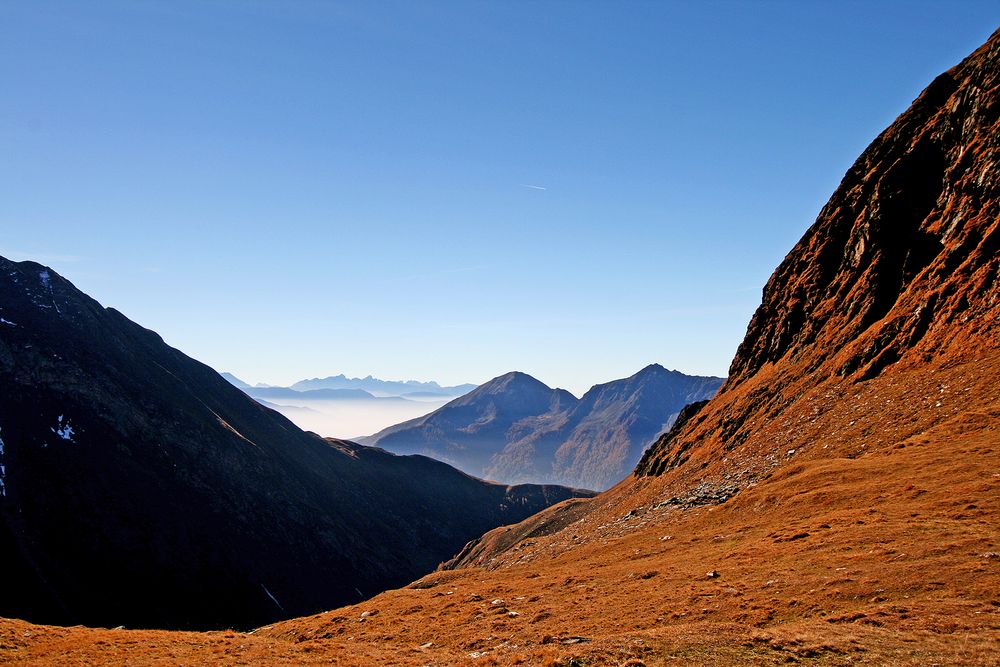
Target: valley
833 501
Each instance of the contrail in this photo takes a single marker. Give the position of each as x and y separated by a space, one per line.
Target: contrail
533 187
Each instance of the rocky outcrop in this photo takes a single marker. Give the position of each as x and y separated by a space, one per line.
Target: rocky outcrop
900 268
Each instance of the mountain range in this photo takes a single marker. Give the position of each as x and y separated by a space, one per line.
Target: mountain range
339 407
372 386
139 487
383 387
515 428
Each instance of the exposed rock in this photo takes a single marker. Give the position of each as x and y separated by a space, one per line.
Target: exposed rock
900 267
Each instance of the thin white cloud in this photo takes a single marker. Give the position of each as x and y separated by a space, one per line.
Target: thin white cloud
532 187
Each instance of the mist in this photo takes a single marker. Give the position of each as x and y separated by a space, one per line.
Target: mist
352 419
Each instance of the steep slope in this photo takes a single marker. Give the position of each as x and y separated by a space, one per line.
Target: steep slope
138 487
899 271
516 429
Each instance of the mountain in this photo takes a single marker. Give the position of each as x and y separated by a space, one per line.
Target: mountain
515 428
898 272
139 487
235 381
382 387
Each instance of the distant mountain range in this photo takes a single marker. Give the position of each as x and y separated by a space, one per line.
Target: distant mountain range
370 386
383 387
515 428
140 488
339 407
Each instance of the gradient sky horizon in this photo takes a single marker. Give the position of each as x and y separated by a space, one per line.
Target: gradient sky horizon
445 190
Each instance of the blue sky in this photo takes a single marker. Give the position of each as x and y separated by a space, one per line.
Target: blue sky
292 189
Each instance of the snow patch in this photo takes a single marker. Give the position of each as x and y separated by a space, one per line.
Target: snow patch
63 430
46 279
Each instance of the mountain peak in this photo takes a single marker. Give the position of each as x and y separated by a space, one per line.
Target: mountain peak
511 386
514 377
235 381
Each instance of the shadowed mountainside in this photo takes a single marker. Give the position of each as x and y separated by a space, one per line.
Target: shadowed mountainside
138 487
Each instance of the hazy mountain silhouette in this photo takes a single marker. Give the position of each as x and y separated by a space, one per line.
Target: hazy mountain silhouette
515 428
235 381
387 387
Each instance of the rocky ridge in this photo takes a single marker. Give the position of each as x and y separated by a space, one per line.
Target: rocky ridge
899 269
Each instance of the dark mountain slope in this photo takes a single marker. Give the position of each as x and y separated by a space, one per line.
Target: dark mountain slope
138 487
515 428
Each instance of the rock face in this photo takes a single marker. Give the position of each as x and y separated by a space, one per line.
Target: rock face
139 488
516 429
899 269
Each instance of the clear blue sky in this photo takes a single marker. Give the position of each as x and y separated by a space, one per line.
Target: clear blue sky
291 189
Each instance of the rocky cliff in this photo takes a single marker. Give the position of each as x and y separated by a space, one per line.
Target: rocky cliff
899 270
